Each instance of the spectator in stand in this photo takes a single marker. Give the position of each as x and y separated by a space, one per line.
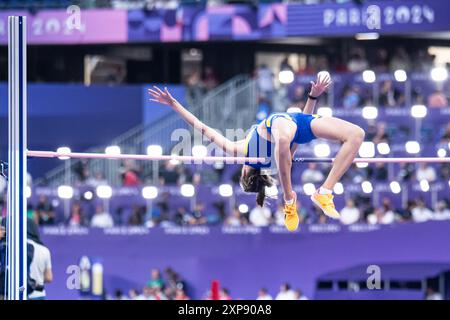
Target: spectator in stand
350 213
437 99
156 279
263 294
441 211
76 218
406 172
236 219
400 60
352 98
299 295
173 282
97 180
196 88
378 172
433 295
379 216
45 211
130 173
312 174
389 95
224 294
180 295
134 294
118 295
264 78
168 174
137 216
183 218
420 213
381 63
286 293
260 216
426 172
357 61
380 134
101 218
209 79
198 214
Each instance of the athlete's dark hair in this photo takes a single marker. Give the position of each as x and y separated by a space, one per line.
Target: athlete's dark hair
256 182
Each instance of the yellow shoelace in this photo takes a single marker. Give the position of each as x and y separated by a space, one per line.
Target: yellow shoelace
289 209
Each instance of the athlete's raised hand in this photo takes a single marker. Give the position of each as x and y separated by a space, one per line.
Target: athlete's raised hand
163 97
322 83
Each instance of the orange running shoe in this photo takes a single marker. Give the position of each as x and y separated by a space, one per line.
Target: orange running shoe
325 202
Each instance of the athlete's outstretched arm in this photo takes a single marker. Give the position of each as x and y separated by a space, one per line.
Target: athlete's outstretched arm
317 88
164 97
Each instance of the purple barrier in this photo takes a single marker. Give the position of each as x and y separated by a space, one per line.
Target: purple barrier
57 26
243 260
192 23
385 17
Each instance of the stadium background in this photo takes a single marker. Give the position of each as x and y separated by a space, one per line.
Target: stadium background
231 64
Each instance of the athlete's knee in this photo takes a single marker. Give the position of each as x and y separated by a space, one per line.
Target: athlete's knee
356 135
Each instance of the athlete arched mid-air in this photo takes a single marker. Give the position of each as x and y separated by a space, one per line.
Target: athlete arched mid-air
276 138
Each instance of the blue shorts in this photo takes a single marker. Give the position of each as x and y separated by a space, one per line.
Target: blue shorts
304 133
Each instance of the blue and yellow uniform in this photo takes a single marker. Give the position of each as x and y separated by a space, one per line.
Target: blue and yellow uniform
257 146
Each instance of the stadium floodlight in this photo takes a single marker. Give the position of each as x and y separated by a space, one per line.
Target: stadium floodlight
226 190
412 147
418 111
367 186
439 74
322 150
286 77
424 185
441 153
199 151
325 112
309 188
154 150
271 192
187 190
65 192
294 110
338 188
367 149
365 36
88 195
370 112
28 192
369 76
400 75
243 208
362 165
383 148
63 150
104 192
112 150
149 192
395 187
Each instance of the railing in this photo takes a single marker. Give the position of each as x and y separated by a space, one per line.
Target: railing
232 105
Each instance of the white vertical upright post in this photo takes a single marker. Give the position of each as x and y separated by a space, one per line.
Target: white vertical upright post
16 260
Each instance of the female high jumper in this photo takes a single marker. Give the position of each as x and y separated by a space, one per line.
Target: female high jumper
276 139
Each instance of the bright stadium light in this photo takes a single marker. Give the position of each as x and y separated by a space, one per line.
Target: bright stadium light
362 165
112 150
226 190
286 76
88 195
294 110
367 149
243 208
395 187
412 147
199 151
325 112
149 192
383 148
367 187
154 150
441 153
424 185
338 188
309 189
65 192
418 111
28 192
400 75
367 36
63 150
104 192
322 150
187 190
439 74
369 76
370 112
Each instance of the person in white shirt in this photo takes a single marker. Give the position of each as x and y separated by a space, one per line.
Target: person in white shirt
420 213
286 293
425 172
350 214
260 216
101 218
379 216
264 295
299 295
312 174
441 212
